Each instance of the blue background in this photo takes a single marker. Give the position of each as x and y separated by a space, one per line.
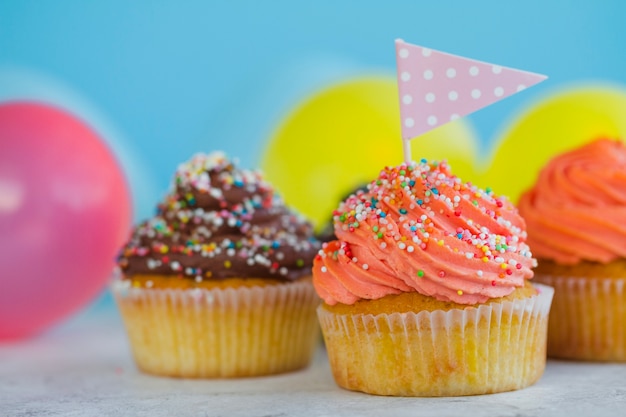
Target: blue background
161 80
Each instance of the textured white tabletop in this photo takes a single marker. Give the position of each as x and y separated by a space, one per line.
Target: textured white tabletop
84 368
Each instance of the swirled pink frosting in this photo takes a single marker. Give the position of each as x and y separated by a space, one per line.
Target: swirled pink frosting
420 228
577 208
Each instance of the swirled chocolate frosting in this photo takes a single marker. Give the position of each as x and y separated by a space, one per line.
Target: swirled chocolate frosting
219 221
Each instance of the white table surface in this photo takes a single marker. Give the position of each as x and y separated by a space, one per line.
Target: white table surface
84 368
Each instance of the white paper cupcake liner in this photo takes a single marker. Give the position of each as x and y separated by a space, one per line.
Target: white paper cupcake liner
588 318
232 332
490 348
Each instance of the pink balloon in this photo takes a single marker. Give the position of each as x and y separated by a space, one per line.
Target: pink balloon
64 213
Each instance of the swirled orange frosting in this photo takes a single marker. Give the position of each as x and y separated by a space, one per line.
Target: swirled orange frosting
418 227
577 209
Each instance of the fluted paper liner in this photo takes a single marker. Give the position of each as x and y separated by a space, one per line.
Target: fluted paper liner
490 348
232 332
588 318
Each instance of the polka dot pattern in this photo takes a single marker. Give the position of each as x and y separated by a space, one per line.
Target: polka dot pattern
437 87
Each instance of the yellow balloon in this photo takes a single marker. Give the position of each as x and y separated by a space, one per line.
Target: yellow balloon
340 138
561 122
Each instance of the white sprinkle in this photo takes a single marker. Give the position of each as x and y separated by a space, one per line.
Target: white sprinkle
410 249
215 193
479 273
149 284
262 260
365 266
324 269
469 255
401 246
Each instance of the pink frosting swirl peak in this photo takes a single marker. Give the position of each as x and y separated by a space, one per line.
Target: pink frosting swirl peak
577 209
420 228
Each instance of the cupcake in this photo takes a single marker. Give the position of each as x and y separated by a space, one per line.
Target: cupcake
426 290
576 216
218 282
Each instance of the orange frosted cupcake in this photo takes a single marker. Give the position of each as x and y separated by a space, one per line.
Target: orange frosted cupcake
218 283
426 289
576 216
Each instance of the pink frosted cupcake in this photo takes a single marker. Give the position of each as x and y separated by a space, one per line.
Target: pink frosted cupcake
576 215
426 289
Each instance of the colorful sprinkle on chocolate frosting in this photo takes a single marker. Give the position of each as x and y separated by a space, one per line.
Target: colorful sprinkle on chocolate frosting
219 221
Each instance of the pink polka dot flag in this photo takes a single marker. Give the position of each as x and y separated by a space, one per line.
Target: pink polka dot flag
436 87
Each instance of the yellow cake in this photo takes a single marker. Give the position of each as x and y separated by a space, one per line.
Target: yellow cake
420 346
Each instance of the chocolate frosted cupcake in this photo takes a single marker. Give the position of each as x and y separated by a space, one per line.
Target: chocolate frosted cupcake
218 283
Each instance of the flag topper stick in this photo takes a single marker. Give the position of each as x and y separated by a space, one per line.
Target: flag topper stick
435 88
